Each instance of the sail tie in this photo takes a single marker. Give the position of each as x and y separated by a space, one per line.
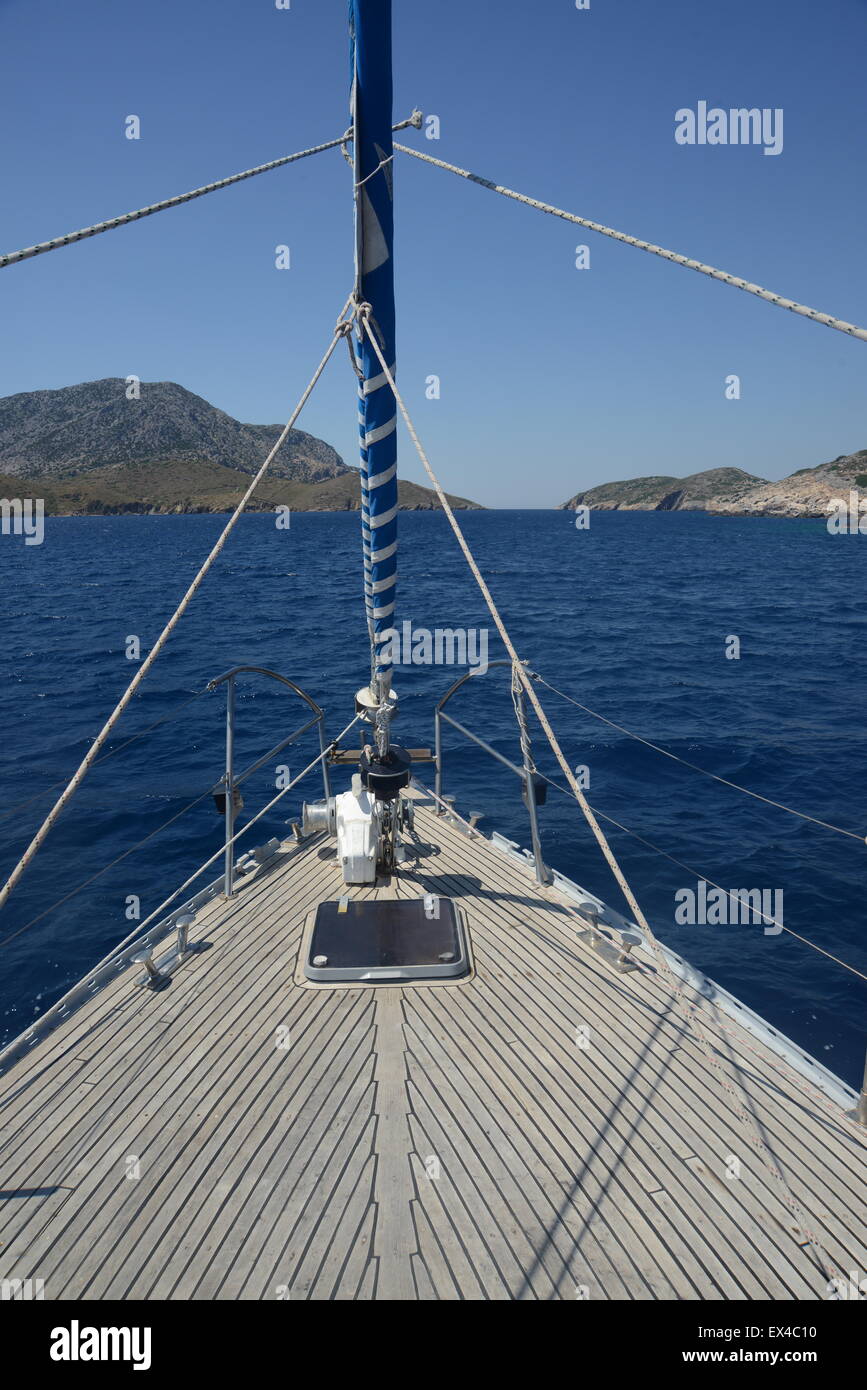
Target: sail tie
521 717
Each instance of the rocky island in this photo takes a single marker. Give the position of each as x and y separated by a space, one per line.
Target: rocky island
119 445
807 493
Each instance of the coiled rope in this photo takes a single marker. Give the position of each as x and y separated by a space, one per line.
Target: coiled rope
736 281
521 717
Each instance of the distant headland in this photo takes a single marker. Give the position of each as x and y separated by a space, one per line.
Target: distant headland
731 491
120 445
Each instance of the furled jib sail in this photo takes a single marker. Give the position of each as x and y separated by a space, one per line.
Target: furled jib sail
370 36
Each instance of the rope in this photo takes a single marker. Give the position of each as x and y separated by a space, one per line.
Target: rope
740 284
656 849
381 165
853 835
343 326
348 135
507 641
13 257
807 1087
690 1010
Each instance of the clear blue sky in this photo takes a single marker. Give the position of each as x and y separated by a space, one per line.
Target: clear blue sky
552 378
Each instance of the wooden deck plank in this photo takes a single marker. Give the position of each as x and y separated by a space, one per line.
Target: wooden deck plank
112 1054
242 1154
684 1072
270 1195
304 1172
608 1118
117 1113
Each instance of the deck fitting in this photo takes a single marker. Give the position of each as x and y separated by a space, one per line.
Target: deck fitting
183 924
617 956
153 978
624 961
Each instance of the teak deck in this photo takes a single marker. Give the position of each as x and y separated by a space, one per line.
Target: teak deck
547 1129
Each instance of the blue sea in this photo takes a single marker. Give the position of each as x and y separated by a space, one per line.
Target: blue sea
632 617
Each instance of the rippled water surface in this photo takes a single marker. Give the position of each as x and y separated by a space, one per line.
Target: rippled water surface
630 617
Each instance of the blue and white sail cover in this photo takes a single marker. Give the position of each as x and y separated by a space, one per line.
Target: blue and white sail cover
370 35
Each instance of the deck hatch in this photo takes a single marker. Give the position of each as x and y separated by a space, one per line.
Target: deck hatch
387 939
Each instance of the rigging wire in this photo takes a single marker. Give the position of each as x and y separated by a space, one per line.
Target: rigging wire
699 876
634 833
736 280
851 834
228 843
166 719
60 1004
363 313
473 833
4 941
13 257
690 1008
342 328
